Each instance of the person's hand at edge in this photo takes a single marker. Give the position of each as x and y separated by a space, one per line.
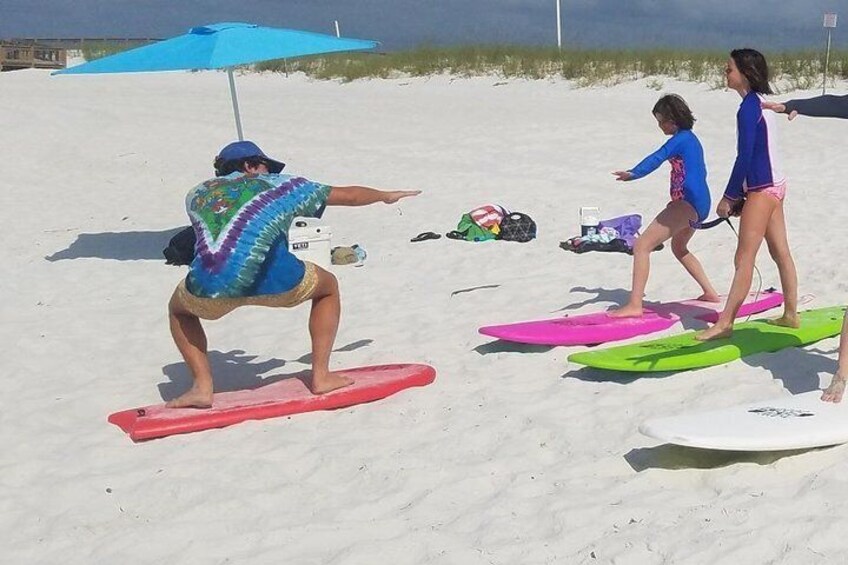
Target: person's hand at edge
778 107
392 196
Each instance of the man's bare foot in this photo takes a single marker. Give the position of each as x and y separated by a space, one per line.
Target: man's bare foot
715 332
787 320
709 297
196 397
328 382
626 311
834 392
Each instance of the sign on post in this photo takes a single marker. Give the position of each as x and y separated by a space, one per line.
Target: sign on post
830 20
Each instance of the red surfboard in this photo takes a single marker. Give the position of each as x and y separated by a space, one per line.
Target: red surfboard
282 398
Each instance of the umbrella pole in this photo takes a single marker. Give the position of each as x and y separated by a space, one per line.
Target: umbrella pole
234 97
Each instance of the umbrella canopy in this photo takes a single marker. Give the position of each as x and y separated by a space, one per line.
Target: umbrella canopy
220 46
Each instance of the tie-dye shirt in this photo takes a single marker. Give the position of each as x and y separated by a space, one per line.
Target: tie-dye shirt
241 222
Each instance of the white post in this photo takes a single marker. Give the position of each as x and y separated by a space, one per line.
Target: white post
559 25
826 63
235 102
829 24
337 28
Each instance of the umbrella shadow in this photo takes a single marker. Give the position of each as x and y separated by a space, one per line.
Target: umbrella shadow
119 246
672 457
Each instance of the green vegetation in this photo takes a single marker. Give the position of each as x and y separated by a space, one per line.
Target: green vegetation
95 49
791 70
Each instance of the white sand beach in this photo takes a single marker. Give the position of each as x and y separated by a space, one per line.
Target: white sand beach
511 455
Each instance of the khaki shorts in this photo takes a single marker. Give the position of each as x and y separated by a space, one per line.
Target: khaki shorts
214 308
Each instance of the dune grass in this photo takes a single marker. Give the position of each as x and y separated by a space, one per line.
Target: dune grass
790 70
95 49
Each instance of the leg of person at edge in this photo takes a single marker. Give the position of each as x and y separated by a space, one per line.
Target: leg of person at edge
241 219
826 106
690 202
756 178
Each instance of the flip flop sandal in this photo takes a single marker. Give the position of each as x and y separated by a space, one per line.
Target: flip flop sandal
425 236
455 235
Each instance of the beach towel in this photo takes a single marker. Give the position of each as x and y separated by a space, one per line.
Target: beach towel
627 227
488 215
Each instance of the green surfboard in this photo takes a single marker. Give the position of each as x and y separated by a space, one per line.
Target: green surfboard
683 352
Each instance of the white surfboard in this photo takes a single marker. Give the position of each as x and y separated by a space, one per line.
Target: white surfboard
789 422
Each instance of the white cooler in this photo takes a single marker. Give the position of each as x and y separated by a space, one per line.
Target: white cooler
590 217
309 240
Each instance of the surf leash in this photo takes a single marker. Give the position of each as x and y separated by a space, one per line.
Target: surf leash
710 224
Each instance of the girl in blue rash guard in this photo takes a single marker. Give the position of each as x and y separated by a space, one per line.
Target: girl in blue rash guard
755 177
825 106
690 201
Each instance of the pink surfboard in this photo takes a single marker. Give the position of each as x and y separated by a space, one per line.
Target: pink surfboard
592 329
282 398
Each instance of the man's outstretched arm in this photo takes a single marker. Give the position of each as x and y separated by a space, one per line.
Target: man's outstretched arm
363 196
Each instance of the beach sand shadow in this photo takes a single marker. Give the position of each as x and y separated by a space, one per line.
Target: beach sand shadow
233 370
614 295
118 246
686 312
676 457
592 375
500 346
352 346
783 366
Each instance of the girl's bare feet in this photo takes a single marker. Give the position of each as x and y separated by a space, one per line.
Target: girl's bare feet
834 392
787 320
626 311
715 332
709 297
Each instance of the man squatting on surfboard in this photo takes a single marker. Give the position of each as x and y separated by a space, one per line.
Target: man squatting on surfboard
756 177
828 106
241 220
690 201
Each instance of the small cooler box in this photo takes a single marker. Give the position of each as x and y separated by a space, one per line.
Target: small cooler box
590 218
309 240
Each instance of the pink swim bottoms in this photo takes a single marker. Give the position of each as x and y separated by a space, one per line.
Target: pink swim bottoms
776 190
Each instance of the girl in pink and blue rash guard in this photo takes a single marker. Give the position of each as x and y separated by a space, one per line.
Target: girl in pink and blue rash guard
690 201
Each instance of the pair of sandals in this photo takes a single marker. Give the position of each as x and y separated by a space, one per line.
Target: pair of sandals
425 236
433 235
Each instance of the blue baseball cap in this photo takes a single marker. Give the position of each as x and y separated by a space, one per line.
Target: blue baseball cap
246 149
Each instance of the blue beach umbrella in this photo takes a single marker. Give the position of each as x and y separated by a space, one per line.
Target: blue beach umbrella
220 46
